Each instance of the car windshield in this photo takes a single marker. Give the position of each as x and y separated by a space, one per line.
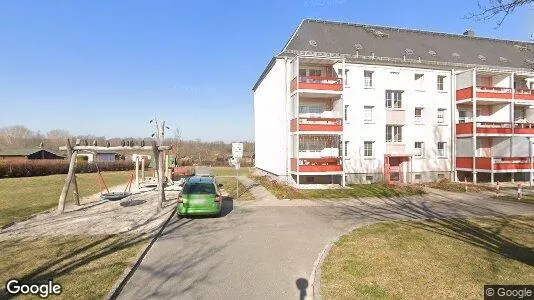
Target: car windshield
199 188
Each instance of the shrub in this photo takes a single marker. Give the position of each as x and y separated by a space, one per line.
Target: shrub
29 168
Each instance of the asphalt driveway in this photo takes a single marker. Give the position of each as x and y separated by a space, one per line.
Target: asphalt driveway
259 251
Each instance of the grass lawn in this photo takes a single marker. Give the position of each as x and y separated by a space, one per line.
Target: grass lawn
282 191
22 197
229 171
435 259
529 198
86 267
229 185
458 187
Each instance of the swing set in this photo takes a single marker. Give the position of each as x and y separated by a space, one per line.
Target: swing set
112 196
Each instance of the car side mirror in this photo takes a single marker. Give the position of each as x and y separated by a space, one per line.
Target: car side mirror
220 185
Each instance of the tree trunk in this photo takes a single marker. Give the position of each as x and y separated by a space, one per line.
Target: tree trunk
65 191
160 174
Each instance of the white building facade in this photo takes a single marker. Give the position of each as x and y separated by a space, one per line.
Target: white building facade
332 109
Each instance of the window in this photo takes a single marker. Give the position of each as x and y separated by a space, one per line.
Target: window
339 74
302 72
346 113
393 133
520 114
417 176
368 149
368 76
368 114
316 72
393 99
441 83
462 116
441 149
441 115
394 75
441 176
419 149
311 109
369 178
418 115
419 79
346 147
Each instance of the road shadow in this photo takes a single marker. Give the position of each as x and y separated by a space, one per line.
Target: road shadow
448 218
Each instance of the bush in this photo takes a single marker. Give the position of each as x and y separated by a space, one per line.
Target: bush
30 168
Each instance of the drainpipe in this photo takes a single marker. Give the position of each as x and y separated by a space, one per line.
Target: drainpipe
512 114
343 183
474 139
288 123
453 126
297 98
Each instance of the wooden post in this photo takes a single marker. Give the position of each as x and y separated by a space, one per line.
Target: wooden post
160 175
74 181
68 180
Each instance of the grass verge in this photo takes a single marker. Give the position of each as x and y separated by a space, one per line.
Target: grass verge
282 191
458 187
86 267
22 197
229 171
229 185
525 198
436 259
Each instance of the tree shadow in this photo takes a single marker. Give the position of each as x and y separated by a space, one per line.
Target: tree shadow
448 219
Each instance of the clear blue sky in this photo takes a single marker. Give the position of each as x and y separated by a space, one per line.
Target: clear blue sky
107 67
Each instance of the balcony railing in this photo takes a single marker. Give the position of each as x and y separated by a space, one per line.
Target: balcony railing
317 124
323 164
502 164
325 152
495 128
524 94
326 83
494 92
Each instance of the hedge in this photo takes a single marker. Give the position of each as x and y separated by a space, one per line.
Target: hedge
29 168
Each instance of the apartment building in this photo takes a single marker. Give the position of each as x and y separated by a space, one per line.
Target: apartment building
350 103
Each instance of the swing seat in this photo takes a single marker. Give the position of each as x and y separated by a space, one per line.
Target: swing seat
114 196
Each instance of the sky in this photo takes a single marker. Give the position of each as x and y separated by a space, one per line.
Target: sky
107 67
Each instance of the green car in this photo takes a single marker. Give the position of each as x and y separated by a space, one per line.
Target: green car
200 196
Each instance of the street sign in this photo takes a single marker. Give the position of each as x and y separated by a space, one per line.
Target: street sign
237 150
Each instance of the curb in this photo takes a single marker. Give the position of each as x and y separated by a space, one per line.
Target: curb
128 272
315 277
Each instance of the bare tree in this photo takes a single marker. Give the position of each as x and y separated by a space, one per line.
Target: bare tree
11 135
495 8
57 134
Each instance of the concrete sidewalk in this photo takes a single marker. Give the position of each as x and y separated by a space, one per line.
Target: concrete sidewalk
259 192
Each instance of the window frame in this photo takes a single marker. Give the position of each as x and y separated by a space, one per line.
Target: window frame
371 110
444 149
420 82
421 152
366 149
394 99
395 133
441 84
367 84
418 119
441 116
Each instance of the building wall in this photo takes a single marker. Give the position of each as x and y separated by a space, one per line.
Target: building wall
464 80
105 157
270 119
356 96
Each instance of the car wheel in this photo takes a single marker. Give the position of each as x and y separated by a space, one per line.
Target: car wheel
179 216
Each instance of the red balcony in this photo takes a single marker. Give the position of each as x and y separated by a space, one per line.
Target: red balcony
524 128
491 92
524 94
323 164
317 124
495 128
500 164
484 128
323 83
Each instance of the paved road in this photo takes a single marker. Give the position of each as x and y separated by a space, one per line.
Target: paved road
258 251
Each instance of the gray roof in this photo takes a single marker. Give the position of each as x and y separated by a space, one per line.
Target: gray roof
357 42
24 152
